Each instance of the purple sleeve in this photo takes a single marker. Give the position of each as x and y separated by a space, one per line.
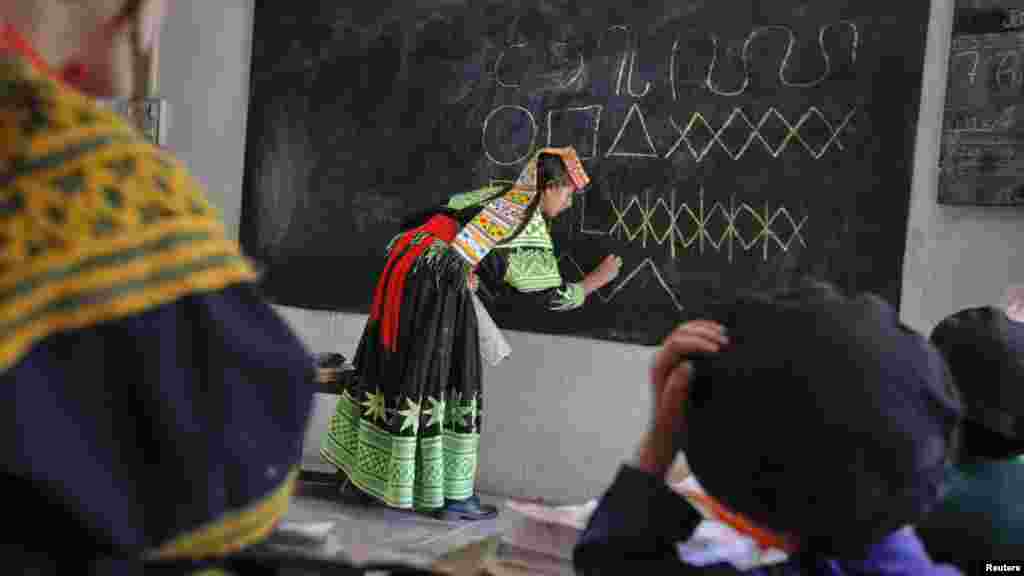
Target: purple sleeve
900 553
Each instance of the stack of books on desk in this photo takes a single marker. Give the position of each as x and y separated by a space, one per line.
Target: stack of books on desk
539 539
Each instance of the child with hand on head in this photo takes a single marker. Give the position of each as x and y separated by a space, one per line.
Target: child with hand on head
817 423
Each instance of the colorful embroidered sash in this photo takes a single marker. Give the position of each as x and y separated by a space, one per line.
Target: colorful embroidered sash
501 216
402 256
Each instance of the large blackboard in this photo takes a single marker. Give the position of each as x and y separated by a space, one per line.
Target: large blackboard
733 144
982 157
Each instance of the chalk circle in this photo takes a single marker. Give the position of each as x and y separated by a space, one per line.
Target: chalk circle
533 133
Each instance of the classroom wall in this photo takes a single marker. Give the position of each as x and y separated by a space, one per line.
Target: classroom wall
561 413
204 75
956 256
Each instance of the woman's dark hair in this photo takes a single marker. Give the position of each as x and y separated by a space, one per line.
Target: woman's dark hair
551 171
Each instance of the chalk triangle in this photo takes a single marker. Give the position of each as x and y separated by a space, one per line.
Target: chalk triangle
639 137
652 274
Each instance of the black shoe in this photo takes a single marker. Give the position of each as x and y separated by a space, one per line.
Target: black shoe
469 509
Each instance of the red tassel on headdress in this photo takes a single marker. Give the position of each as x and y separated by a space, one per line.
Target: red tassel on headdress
13 41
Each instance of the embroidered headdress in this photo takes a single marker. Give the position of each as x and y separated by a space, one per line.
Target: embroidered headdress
501 216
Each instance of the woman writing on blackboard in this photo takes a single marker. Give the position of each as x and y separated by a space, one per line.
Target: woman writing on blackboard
406 431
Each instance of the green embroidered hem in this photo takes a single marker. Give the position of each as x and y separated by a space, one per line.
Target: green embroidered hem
570 297
418 471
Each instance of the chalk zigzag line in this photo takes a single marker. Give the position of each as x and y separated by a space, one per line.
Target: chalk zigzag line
701 218
792 133
647 262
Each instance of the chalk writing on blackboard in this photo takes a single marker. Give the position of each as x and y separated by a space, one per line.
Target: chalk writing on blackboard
559 80
732 145
981 121
981 159
1008 72
737 115
699 215
508 119
511 116
498 62
973 58
728 239
628 61
575 74
1014 19
622 63
648 264
593 121
609 295
533 133
784 64
629 80
635 115
1004 67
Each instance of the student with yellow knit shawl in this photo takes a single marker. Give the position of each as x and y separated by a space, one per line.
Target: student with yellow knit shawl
153 405
407 431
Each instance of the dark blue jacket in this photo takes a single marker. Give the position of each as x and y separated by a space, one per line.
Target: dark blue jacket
639 521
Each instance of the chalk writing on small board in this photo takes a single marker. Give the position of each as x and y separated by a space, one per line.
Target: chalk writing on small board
732 145
982 154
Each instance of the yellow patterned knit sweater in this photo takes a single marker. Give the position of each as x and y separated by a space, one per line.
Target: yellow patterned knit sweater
95 223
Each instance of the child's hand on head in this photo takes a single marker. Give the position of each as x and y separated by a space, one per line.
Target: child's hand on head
670 375
671 370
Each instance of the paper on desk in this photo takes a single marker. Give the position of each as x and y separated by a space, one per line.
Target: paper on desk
571 516
312 530
577 516
552 530
1015 303
715 542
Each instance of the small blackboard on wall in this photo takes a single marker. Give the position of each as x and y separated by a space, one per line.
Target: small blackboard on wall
733 144
982 155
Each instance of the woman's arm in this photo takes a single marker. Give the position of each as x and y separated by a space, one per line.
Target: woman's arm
531 274
592 282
